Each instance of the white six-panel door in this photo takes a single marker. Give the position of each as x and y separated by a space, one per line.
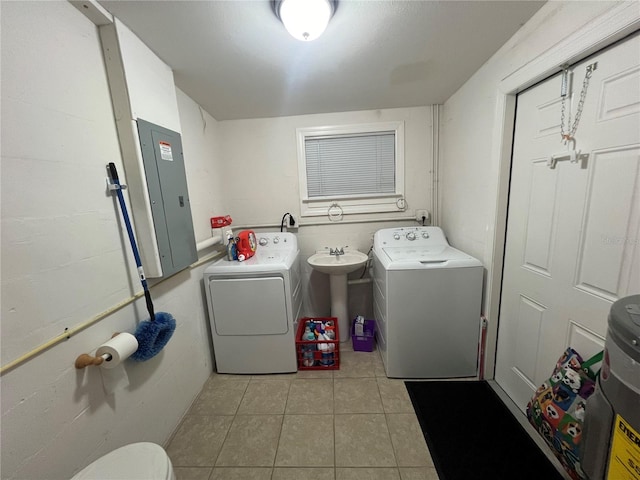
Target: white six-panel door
573 232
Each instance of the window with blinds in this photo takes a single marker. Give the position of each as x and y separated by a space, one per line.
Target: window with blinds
353 169
351 165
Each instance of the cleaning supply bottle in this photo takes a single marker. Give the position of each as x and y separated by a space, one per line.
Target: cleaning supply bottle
308 334
324 349
232 252
330 332
331 353
308 349
307 356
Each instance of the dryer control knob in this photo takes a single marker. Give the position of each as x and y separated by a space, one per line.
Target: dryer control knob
411 236
263 241
425 235
276 240
396 236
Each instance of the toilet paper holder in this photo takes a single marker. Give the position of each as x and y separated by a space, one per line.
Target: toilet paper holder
85 360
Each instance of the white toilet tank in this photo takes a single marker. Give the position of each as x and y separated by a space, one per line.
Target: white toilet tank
136 461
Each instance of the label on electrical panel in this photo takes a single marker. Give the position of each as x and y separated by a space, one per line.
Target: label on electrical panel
624 461
165 151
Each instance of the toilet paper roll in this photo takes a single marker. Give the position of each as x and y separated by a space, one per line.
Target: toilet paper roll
119 348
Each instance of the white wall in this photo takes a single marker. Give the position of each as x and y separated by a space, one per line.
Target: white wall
203 163
472 160
261 184
65 257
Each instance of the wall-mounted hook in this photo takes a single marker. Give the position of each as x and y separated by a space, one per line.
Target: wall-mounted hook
114 186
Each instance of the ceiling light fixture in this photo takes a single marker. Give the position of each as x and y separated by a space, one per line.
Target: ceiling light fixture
305 19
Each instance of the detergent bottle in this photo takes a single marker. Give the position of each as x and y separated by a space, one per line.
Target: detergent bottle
246 245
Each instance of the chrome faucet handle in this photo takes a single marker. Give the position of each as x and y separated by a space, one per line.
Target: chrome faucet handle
332 251
340 251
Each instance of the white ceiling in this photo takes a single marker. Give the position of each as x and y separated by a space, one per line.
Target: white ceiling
237 60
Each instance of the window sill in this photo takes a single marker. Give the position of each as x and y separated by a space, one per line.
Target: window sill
340 207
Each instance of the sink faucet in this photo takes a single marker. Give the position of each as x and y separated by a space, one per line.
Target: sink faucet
336 251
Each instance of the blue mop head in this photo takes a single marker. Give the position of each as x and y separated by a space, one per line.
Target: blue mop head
152 336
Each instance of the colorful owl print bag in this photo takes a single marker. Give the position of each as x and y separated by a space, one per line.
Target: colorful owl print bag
557 409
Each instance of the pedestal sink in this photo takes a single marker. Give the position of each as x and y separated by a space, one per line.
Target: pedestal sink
337 266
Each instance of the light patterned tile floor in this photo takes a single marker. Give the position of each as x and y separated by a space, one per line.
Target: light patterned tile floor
348 424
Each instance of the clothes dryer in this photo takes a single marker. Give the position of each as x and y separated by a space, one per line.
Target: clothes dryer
427 300
254 306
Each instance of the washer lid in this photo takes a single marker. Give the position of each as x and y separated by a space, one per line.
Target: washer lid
137 461
409 258
437 253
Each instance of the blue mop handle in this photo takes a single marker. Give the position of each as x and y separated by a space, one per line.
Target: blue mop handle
132 239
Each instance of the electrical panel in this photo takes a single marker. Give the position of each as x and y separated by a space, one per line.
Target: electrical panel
167 188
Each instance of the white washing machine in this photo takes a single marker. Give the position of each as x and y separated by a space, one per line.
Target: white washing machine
427 299
254 306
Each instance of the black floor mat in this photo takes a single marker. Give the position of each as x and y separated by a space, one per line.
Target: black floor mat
472 434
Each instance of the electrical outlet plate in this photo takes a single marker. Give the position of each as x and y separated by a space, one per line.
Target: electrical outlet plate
420 214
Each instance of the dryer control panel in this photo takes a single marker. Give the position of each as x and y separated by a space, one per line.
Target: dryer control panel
277 241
